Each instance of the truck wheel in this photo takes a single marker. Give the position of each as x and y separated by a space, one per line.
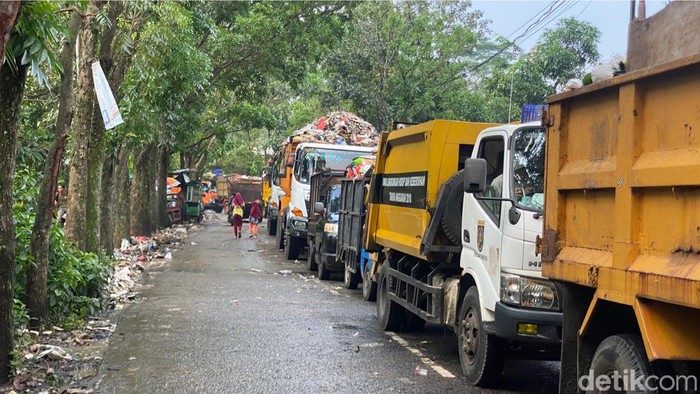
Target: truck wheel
623 354
279 235
311 259
369 287
350 280
451 220
271 227
481 355
323 272
291 247
413 323
390 314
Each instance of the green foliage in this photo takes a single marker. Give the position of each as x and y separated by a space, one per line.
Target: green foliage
566 51
20 315
401 57
75 279
38 31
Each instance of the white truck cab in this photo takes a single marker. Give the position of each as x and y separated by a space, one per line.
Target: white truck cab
501 219
309 159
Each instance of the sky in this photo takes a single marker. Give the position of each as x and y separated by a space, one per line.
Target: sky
510 18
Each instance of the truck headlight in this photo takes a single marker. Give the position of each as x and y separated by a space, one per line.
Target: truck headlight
528 293
299 225
331 228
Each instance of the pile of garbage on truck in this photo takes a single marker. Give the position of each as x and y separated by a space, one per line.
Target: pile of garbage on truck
340 128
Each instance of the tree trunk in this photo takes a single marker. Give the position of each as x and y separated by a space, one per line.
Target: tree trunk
162 192
96 193
8 14
37 272
141 198
96 156
11 90
121 196
107 197
76 229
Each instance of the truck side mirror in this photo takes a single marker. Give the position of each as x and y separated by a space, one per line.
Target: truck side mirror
474 175
318 207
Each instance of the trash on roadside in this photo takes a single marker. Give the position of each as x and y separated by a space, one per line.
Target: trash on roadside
356 349
194 243
286 272
168 256
421 371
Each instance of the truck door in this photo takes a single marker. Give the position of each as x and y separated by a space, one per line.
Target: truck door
483 222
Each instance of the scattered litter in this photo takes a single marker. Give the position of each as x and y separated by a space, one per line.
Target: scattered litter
356 334
421 371
168 256
286 272
334 292
53 353
132 358
194 243
256 270
356 349
296 261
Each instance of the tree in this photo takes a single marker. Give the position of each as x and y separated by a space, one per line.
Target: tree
37 274
566 51
76 228
28 47
400 58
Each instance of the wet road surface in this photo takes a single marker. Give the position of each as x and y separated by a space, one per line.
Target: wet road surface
220 317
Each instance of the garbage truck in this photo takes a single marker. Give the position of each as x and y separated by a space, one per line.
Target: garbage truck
464 260
622 217
309 159
329 143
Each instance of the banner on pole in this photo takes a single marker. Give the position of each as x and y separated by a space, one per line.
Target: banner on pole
108 105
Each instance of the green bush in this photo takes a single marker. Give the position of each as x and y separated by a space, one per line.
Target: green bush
76 279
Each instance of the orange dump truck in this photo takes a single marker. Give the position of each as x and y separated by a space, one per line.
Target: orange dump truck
622 215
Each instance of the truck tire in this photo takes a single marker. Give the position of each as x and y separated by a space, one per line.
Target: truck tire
271 226
623 354
481 355
311 263
369 287
350 280
323 272
279 234
390 314
451 220
413 323
292 247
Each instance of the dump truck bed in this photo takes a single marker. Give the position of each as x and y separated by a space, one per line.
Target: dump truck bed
623 194
412 164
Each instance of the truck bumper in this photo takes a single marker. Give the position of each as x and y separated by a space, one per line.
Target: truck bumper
548 325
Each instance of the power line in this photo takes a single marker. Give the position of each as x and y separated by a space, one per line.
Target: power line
553 6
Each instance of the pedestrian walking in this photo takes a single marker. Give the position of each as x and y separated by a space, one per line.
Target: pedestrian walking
238 205
61 204
254 217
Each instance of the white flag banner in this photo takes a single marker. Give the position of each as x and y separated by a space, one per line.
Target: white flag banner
108 106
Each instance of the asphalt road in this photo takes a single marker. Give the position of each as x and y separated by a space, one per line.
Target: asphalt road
220 317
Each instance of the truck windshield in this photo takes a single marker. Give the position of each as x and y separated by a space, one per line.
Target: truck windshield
334 204
312 160
528 168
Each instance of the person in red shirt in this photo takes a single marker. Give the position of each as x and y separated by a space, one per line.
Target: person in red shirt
254 218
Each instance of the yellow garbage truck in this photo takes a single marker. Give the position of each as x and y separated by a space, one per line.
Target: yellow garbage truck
464 260
622 218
